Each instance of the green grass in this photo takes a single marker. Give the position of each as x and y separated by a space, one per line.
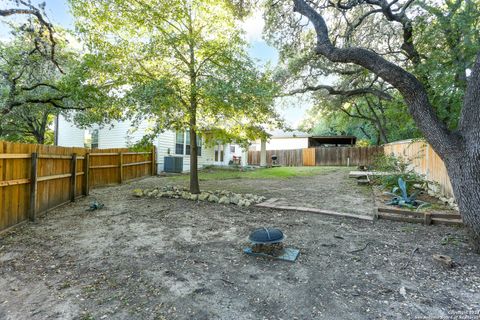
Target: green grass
269 173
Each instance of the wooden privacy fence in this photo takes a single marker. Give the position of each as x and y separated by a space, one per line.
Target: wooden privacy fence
322 156
424 160
38 178
347 156
285 157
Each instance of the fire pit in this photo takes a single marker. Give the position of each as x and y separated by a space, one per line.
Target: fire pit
268 242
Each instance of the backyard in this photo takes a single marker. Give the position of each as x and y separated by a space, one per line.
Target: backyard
159 159
160 258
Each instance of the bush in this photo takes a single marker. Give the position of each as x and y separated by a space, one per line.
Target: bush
363 143
399 167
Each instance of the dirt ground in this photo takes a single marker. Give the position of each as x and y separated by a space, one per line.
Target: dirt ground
330 190
143 258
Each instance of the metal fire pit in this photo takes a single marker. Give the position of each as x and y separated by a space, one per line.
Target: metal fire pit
268 242
266 236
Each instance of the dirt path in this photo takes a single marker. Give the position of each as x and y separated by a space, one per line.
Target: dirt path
331 190
176 259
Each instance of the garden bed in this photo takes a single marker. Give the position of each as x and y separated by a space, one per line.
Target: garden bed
437 212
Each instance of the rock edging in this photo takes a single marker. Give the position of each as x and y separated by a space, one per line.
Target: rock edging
216 196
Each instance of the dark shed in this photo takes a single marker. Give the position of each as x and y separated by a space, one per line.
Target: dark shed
331 141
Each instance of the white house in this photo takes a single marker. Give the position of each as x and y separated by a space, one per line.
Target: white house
281 140
168 143
284 140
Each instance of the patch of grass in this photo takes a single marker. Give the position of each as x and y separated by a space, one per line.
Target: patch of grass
268 173
87 316
450 240
408 229
65 285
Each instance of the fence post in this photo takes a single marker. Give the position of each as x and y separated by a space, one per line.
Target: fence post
73 180
33 188
120 166
428 218
154 162
86 174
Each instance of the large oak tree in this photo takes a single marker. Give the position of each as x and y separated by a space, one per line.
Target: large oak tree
41 74
458 147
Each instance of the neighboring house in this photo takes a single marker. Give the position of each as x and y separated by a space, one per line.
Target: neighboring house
67 134
168 143
281 140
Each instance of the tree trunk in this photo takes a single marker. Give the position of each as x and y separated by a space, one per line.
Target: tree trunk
464 175
40 138
383 134
460 149
194 186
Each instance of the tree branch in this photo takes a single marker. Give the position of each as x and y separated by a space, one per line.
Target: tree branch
409 86
37 85
34 11
54 101
345 93
470 114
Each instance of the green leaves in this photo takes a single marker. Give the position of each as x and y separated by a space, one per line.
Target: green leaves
445 36
177 61
448 39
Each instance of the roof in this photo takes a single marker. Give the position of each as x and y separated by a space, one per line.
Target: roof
334 139
279 134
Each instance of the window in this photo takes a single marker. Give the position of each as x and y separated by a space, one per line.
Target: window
179 142
187 142
199 146
183 143
90 139
232 149
95 139
219 153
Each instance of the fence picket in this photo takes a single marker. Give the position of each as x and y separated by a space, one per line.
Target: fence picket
322 156
73 176
424 161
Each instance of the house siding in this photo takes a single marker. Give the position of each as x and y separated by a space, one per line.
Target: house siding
69 135
165 146
282 144
166 143
121 135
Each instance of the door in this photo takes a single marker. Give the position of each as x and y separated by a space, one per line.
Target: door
219 154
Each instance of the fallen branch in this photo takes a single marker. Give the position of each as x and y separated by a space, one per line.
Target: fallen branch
226 281
361 249
410 258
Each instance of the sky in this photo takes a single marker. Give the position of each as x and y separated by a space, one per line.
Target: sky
291 109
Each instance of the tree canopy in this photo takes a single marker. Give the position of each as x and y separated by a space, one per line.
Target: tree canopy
436 43
41 75
181 64
427 51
